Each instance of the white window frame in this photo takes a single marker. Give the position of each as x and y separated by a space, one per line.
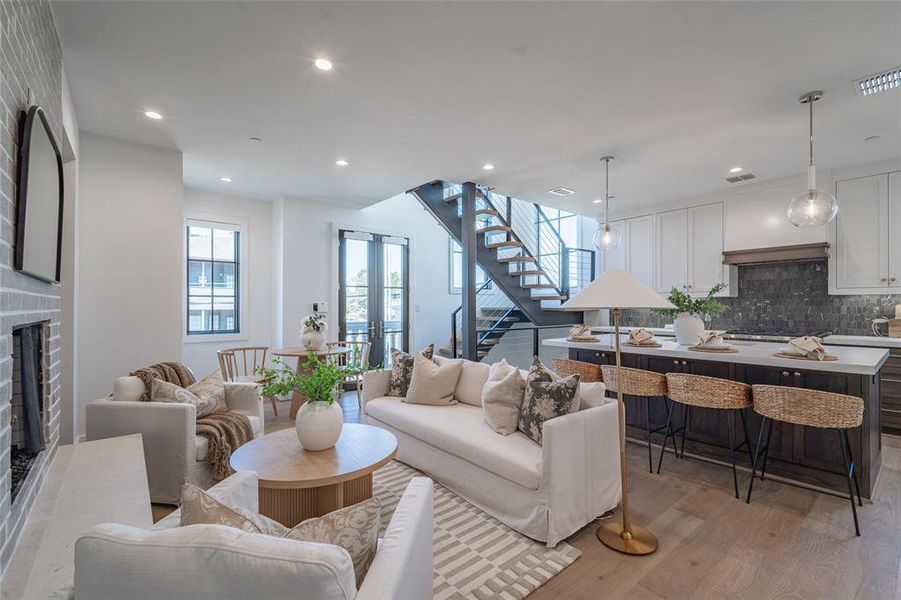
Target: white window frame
451 288
210 220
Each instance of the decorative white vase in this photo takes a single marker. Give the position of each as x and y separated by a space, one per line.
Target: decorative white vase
312 340
319 425
687 327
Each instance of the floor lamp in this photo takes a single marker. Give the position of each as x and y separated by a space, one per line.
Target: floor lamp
616 290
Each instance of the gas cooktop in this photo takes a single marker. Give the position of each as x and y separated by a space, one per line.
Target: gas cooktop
768 335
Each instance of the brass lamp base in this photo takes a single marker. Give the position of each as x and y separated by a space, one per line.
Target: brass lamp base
642 541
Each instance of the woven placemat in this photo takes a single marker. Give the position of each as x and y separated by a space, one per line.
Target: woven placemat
654 345
827 358
726 350
583 339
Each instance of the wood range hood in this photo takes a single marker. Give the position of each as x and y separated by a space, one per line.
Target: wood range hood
775 254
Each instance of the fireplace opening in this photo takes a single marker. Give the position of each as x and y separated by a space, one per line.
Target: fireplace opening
27 418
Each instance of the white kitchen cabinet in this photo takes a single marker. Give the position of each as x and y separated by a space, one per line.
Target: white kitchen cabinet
689 253
672 250
894 227
863 259
639 244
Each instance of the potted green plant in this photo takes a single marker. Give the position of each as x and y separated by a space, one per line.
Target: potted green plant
689 314
320 419
312 334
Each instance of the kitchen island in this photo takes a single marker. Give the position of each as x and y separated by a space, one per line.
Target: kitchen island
805 455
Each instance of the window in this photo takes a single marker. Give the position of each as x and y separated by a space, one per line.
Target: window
213 275
456 269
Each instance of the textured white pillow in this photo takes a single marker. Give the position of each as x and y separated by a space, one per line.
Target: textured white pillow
431 383
591 394
502 397
128 389
472 380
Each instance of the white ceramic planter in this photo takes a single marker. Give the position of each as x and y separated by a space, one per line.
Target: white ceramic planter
687 328
312 340
318 425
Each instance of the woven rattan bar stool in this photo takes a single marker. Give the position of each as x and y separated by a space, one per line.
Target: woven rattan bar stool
809 408
588 372
698 391
644 384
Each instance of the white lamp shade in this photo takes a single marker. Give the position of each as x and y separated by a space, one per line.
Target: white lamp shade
616 289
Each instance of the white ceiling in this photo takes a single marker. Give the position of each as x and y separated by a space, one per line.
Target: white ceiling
679 92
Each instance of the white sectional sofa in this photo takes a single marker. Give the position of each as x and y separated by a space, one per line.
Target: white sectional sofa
546 492
214 562
175 454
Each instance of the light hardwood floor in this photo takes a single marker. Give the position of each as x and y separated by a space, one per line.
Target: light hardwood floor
788 543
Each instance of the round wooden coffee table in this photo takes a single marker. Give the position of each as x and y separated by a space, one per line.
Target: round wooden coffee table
297 484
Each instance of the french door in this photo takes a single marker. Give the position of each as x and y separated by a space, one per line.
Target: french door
373 293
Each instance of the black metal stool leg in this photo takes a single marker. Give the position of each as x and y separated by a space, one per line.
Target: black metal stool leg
667 434
766 449
763 424
853 467
647 424
744 426
732 449
686 410
848 475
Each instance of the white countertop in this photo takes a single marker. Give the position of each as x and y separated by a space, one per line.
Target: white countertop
870 341
854 360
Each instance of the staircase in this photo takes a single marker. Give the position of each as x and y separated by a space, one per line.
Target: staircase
531 271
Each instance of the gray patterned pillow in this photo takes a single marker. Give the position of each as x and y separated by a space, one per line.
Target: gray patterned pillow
402 370
207 395
354 528
545 399
199 508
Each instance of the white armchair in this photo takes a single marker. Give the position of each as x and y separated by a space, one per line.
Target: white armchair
118 562
174 453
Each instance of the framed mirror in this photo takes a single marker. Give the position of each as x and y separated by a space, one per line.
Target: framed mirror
39 211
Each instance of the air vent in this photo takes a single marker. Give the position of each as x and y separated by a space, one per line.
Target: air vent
742 177
878 82
562 191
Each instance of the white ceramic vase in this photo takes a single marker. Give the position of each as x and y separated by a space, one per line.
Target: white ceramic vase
319 425
312 340
687 327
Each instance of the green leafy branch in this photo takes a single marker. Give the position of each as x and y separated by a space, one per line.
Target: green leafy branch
684 303
317 379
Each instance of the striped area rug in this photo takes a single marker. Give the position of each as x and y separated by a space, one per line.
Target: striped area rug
476 556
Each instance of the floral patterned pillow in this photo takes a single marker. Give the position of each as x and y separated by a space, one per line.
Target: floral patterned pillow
207 395
402 370
354 528
199 508
545 399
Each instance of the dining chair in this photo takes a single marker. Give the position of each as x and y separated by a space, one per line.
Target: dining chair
353 361
241 363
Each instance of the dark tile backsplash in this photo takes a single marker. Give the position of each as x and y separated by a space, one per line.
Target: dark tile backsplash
790 297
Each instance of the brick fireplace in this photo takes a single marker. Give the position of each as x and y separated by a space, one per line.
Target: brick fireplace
30 62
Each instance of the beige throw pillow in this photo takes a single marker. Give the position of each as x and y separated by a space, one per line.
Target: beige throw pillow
402 370
433 384
199 508
502 397
355 528
207 395
545 399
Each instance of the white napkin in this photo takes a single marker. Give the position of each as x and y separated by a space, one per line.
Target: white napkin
641 337
710 338
809 346
577 331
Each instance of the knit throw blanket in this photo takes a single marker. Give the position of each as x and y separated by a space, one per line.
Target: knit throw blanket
225 432
172 372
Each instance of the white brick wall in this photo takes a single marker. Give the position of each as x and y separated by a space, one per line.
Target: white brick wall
30 58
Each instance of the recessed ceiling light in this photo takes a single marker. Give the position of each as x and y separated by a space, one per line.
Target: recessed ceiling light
323 64
488 167
736 170
225 179
341 162
598 201
152 114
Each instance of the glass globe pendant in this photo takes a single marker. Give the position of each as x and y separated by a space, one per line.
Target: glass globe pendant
813 207
606 238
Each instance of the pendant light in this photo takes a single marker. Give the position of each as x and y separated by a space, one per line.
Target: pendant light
814 207
606 238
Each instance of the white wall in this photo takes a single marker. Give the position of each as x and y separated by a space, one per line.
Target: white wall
129 260
310 246
257 308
